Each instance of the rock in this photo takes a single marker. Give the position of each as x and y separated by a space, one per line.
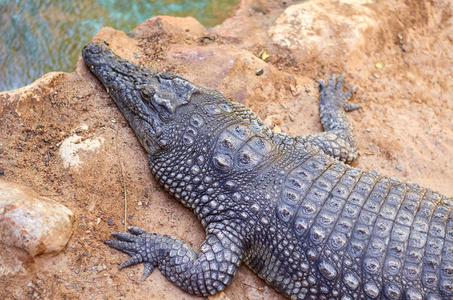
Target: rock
217 59
220 67
73 145
119 41
242 26
35 224
26 99
321 26
233 29
13 261
166 24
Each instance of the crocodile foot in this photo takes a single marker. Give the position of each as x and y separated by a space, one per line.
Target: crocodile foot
134 244
334 92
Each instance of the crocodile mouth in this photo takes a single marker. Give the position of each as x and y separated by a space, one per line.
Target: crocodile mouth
122 80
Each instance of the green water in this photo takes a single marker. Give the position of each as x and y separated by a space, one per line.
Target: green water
39 36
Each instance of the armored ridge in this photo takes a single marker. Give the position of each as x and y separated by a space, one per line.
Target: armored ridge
310 225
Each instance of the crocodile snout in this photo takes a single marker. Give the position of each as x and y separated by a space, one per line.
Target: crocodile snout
94 53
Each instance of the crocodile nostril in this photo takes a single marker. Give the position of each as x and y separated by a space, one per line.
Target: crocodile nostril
95 49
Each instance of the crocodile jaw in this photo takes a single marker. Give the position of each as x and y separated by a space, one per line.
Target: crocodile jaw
124 81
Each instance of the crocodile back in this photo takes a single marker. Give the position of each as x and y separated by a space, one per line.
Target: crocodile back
343 232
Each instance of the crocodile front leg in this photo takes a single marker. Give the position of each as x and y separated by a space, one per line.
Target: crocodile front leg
337 140
204 274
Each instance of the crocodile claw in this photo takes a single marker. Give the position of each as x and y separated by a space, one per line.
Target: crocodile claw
133 244
352 106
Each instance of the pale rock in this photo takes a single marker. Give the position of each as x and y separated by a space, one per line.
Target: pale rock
323 26
35 224
73 145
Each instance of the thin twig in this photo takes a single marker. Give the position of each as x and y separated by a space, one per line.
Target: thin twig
124 180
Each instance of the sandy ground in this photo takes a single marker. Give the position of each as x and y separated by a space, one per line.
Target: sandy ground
405 129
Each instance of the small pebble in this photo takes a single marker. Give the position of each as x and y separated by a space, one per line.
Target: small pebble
259 72
139 203
368 130
380 65
376 75
399 167
111 223
2 172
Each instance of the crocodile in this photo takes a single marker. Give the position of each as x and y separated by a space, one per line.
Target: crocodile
290 207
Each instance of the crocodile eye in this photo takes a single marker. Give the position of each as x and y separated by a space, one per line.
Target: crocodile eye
145 93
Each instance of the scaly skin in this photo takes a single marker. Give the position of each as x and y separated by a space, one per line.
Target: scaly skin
310 225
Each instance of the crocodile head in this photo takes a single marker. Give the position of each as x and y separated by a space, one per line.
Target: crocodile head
147 99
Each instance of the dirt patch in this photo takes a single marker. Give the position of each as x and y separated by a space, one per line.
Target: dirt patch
405 129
